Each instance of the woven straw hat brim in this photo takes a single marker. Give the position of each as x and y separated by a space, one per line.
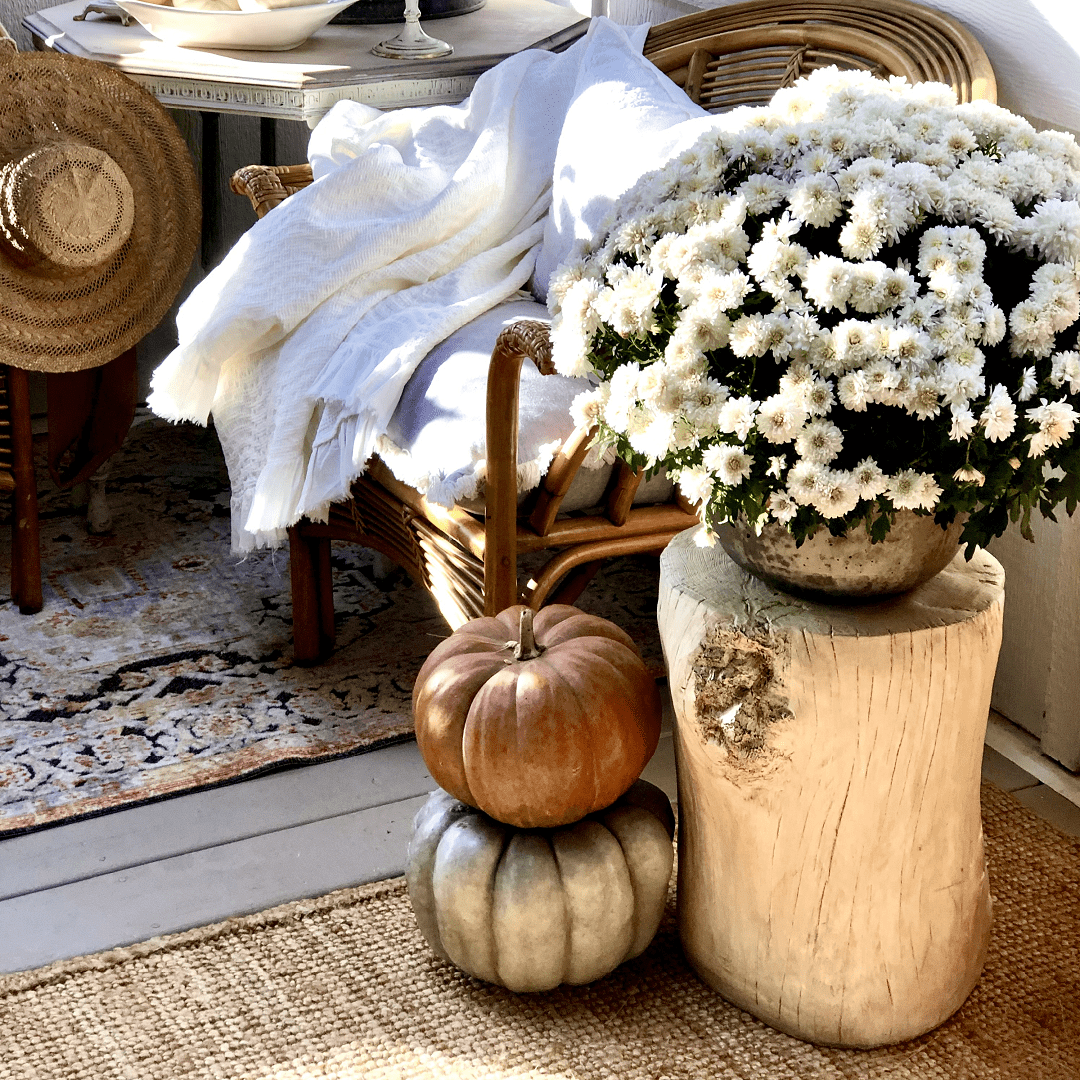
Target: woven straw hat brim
70 323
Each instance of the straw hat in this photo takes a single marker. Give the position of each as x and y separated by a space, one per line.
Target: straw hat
99 212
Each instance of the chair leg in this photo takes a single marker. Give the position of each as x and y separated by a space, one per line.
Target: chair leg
25 537
312 597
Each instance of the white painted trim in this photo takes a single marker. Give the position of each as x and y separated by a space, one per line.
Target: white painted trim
1023 749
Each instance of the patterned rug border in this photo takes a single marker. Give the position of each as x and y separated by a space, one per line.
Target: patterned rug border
162 663
178 788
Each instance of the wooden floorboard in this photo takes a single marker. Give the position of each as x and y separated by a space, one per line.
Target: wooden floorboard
67 853
205 886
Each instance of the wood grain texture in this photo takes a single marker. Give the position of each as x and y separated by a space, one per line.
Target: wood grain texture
832 879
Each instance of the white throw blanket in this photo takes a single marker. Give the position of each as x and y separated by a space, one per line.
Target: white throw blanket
301 341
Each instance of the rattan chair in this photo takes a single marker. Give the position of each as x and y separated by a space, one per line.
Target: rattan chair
723 57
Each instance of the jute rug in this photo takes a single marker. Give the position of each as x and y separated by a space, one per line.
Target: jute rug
344 987
162 663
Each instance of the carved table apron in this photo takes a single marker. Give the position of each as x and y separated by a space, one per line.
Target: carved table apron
832 879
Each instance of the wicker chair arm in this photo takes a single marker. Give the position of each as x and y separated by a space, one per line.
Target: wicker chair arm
524 338
269 185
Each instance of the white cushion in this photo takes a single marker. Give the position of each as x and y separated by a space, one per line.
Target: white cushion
436 439
626 118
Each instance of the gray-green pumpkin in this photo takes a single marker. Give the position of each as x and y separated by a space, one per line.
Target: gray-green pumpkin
530 909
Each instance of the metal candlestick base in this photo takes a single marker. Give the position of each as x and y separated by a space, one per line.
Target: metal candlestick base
412 43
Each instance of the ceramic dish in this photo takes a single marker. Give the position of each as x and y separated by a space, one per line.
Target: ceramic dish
273 30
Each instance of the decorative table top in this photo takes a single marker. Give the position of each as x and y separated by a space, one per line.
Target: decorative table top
303 83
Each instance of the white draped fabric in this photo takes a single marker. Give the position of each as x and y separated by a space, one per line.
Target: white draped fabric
301 341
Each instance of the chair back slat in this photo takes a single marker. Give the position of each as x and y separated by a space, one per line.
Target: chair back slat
884 36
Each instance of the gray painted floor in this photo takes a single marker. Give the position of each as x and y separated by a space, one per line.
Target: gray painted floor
184 862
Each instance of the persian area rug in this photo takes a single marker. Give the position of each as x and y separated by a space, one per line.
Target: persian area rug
162 663
345 987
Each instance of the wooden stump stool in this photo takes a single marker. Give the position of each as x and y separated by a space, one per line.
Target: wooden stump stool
832 879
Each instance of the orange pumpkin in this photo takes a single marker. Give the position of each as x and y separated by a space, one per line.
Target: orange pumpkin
537 723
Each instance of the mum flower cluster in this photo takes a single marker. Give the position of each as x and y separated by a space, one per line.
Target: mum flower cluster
859 299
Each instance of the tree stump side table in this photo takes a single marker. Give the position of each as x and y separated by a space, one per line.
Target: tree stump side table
832 879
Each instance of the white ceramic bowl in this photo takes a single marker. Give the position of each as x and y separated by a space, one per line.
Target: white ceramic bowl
271 30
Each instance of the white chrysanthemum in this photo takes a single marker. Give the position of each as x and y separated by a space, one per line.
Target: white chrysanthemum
1065 367
1029 383
911 490
762 193
652 433
780 417
1060 303
781 506
994 326
731 464
819 397
1056 420
959 383
815 199
908 345
627 306
869 479
826 282
587 408
964 422
851 341
819 441
998 417
750 335
623 397
703 404
702 329
835 493
1030 331
737 416
657 386
968 474
714 292
565 278
802 480
923 400
851 389
868 286
1054 230
569 348
696 483
862 237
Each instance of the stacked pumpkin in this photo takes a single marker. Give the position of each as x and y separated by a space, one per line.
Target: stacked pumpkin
544 859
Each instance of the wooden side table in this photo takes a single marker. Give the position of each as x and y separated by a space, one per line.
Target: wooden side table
832 879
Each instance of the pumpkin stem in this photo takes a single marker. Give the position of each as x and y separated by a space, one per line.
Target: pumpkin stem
526 648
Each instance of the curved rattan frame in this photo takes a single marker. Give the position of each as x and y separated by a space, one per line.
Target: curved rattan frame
723 57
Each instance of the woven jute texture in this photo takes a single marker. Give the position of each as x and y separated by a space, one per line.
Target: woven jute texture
94 248
344 987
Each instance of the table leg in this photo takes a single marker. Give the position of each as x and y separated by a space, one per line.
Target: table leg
211 201
267 141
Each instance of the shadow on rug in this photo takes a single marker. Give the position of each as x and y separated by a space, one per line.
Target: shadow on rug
162 663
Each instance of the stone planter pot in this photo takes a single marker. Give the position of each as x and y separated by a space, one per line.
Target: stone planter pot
846 567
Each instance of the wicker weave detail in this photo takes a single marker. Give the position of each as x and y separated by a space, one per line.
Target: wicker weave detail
530 338
65 208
